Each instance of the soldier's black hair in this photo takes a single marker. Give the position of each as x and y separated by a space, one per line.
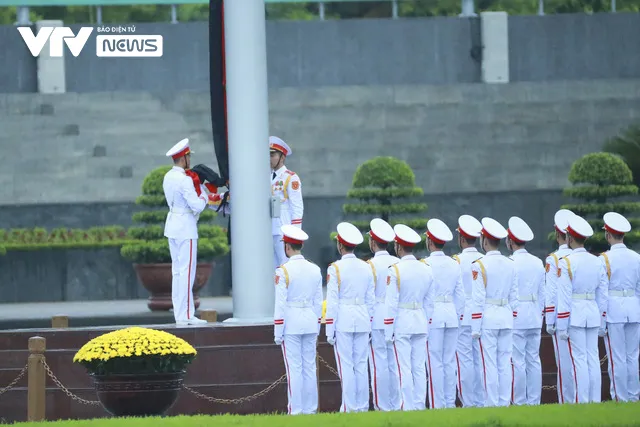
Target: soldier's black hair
295 246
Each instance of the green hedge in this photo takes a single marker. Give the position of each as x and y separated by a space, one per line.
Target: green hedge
26 239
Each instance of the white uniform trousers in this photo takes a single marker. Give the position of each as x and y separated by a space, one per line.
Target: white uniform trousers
583 345
527 370
352 350
299 354
279 256
469 383
379 370
495 348
183 271
566 379
411 373
441 367
621 343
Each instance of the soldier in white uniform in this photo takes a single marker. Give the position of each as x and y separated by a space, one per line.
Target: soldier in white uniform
527 325
386 396
181 230
565 376
495 304
443 324
350 304
409 306
468 361
297 315
582 300
286 186
623 311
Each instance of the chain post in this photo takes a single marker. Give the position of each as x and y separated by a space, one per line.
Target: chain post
60 322
36 379
210 316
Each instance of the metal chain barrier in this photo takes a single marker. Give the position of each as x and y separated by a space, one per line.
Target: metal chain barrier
15 381
325 363
240 399
65 390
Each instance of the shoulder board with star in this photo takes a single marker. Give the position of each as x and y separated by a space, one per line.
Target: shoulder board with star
289 172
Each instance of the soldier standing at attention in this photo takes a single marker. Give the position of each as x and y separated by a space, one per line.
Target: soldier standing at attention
381 360
467 360
297 313
565 379
286 186
443 324
527 325
181 229
409 306
582 301
350 304
623 312
495 304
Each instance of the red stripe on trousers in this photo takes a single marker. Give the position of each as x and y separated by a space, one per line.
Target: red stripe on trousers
375 377
344 404
575 374
613 374
395 350
286 364
555 341
459 374
484 368
433 403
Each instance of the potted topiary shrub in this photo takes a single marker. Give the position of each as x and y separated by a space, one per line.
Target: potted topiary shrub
383 187
602 182
136 371
149 251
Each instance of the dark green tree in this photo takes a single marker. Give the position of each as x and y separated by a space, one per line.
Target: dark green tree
627 146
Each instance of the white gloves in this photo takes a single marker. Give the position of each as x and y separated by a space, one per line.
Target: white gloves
563 334
602 332
475 335
551 329
331 340
389 339
278 340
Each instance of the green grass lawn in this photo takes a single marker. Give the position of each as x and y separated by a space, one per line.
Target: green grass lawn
603 414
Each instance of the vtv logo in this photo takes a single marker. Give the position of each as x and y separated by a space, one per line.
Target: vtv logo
55 36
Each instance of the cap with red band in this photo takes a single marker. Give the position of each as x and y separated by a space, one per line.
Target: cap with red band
492 229
381 231
579 227
277 144
519 231
349 235
469 227
561 220
180 149
615 223
292 234
438 231
406 236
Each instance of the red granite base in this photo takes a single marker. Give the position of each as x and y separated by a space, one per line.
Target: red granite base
232 362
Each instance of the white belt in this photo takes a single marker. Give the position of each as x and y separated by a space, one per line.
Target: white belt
410 306
352 301
298 304
531 297
584 296
181 211
498 302
625 293
444 298
380 300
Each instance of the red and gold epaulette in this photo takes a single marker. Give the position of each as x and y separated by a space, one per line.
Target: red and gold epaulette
290 172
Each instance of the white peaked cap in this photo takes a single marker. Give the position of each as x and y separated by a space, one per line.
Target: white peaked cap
493 229
381 231
278 144
561 220
180 149
293 234
579 227
438 231
616 223
406 236
469 227
519 231
349 235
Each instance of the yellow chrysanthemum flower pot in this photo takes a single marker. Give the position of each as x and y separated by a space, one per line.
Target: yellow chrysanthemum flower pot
136 371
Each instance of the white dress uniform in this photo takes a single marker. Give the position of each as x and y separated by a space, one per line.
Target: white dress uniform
386 396
623 312
297 315
408 307
565 381
582 300
495 304
286 186
350 304
468 361
527 325
181 230
448 307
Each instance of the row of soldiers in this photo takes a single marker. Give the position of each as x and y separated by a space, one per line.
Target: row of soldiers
422 330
